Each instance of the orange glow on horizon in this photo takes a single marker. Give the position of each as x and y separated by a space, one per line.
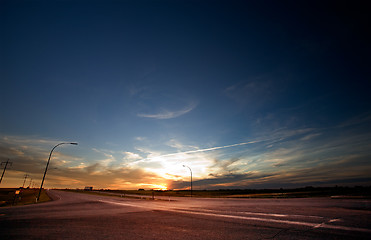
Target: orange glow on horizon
162 187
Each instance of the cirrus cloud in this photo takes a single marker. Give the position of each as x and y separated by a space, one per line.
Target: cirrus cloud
167 114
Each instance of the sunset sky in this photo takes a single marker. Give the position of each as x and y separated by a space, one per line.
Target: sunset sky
248 94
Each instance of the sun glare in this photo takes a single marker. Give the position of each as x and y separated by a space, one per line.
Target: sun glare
160 186
171 166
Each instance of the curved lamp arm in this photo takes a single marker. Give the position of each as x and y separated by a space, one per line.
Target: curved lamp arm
47 164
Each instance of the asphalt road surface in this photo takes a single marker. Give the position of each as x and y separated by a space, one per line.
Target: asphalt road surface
85 216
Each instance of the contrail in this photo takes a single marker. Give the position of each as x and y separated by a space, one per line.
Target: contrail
200 150
209 149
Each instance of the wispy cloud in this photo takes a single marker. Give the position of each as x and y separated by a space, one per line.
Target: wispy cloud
285 157
131 156
140 138
199 150
109 157
250 92
29 155
167 114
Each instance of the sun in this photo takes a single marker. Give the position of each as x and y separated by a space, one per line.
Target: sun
154 186
161 187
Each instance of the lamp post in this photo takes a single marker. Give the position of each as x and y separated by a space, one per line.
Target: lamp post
191 176
47 164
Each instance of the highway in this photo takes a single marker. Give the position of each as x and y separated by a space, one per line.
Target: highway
86 216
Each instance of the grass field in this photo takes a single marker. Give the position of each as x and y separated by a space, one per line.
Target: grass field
19 196
16 196
338 192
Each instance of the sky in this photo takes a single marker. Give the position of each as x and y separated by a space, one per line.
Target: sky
247 94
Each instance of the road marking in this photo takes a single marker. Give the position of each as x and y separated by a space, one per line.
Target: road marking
125 204
335 220
271 214
307 224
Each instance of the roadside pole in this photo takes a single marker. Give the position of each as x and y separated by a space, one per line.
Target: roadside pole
6 164
25 177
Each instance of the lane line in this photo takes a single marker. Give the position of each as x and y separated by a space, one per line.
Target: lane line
307 224
270 214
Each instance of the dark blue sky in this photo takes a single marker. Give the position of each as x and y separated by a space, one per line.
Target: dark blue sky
247 93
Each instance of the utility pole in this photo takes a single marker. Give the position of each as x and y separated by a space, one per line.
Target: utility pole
25 177
6 164
29 185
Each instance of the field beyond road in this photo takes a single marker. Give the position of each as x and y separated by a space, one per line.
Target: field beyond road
307 192
21 196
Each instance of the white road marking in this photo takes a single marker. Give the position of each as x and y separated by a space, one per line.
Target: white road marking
308 224
335 220
272 214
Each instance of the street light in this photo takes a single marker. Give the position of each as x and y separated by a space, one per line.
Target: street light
47 164
191 176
